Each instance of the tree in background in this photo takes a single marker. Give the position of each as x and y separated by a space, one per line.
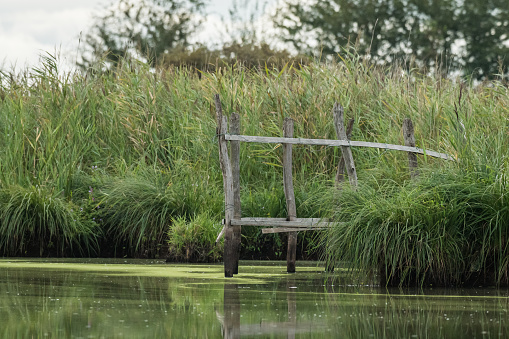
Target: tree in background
485 31
146 28
159 31
427 31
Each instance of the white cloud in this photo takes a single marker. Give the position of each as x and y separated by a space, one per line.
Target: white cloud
49 27
17 6
29 28
216 26
22 50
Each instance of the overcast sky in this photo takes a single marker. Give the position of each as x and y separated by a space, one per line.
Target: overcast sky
30 27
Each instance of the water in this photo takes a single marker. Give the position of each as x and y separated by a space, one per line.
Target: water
151 299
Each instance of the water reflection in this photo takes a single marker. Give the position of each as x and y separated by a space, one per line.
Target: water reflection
178 301
230 321
232 328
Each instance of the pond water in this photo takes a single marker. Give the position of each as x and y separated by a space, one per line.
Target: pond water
151 299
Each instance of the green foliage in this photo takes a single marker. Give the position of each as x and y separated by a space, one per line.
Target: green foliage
158 31
194 239
37 221
484 25
269 202
244 55
259 201
448 35
140 207
147 29
447 228
140 143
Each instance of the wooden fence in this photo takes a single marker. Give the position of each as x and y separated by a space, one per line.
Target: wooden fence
230 167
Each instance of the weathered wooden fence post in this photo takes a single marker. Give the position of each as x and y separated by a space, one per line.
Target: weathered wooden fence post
226 168
235 158
230 167
408 135
340 175
339 124
291 208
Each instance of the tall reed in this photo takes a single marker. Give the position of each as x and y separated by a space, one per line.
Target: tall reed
38 222
151 133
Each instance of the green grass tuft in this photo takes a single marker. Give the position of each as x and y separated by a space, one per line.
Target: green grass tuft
141 206
36 221
446 228
194 239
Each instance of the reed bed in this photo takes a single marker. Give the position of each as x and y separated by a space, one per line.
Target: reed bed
36 222
134 152
447 228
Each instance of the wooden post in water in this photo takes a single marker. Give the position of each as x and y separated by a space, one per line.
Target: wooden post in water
235 158
226 168
339 124
291 208
408 135
340 175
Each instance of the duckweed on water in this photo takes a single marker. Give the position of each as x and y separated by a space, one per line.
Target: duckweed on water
132 300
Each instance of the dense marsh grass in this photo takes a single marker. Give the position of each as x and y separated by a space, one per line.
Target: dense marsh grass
141 207
194 239
136 149
446 228
35 221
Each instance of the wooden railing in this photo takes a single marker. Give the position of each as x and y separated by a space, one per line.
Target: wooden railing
230 167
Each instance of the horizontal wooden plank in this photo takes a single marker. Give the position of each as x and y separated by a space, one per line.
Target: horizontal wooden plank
262 219
291 229
249 219
332 142
280 222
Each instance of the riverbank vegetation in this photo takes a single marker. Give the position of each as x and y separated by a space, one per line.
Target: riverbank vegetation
124 162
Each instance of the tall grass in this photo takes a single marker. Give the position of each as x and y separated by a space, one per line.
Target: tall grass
194 239
140 208
446 228
35 221
144 141
449 227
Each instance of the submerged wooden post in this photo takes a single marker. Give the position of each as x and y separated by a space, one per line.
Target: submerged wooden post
340 175
339 124
291 254
235 158
226 168
408 135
